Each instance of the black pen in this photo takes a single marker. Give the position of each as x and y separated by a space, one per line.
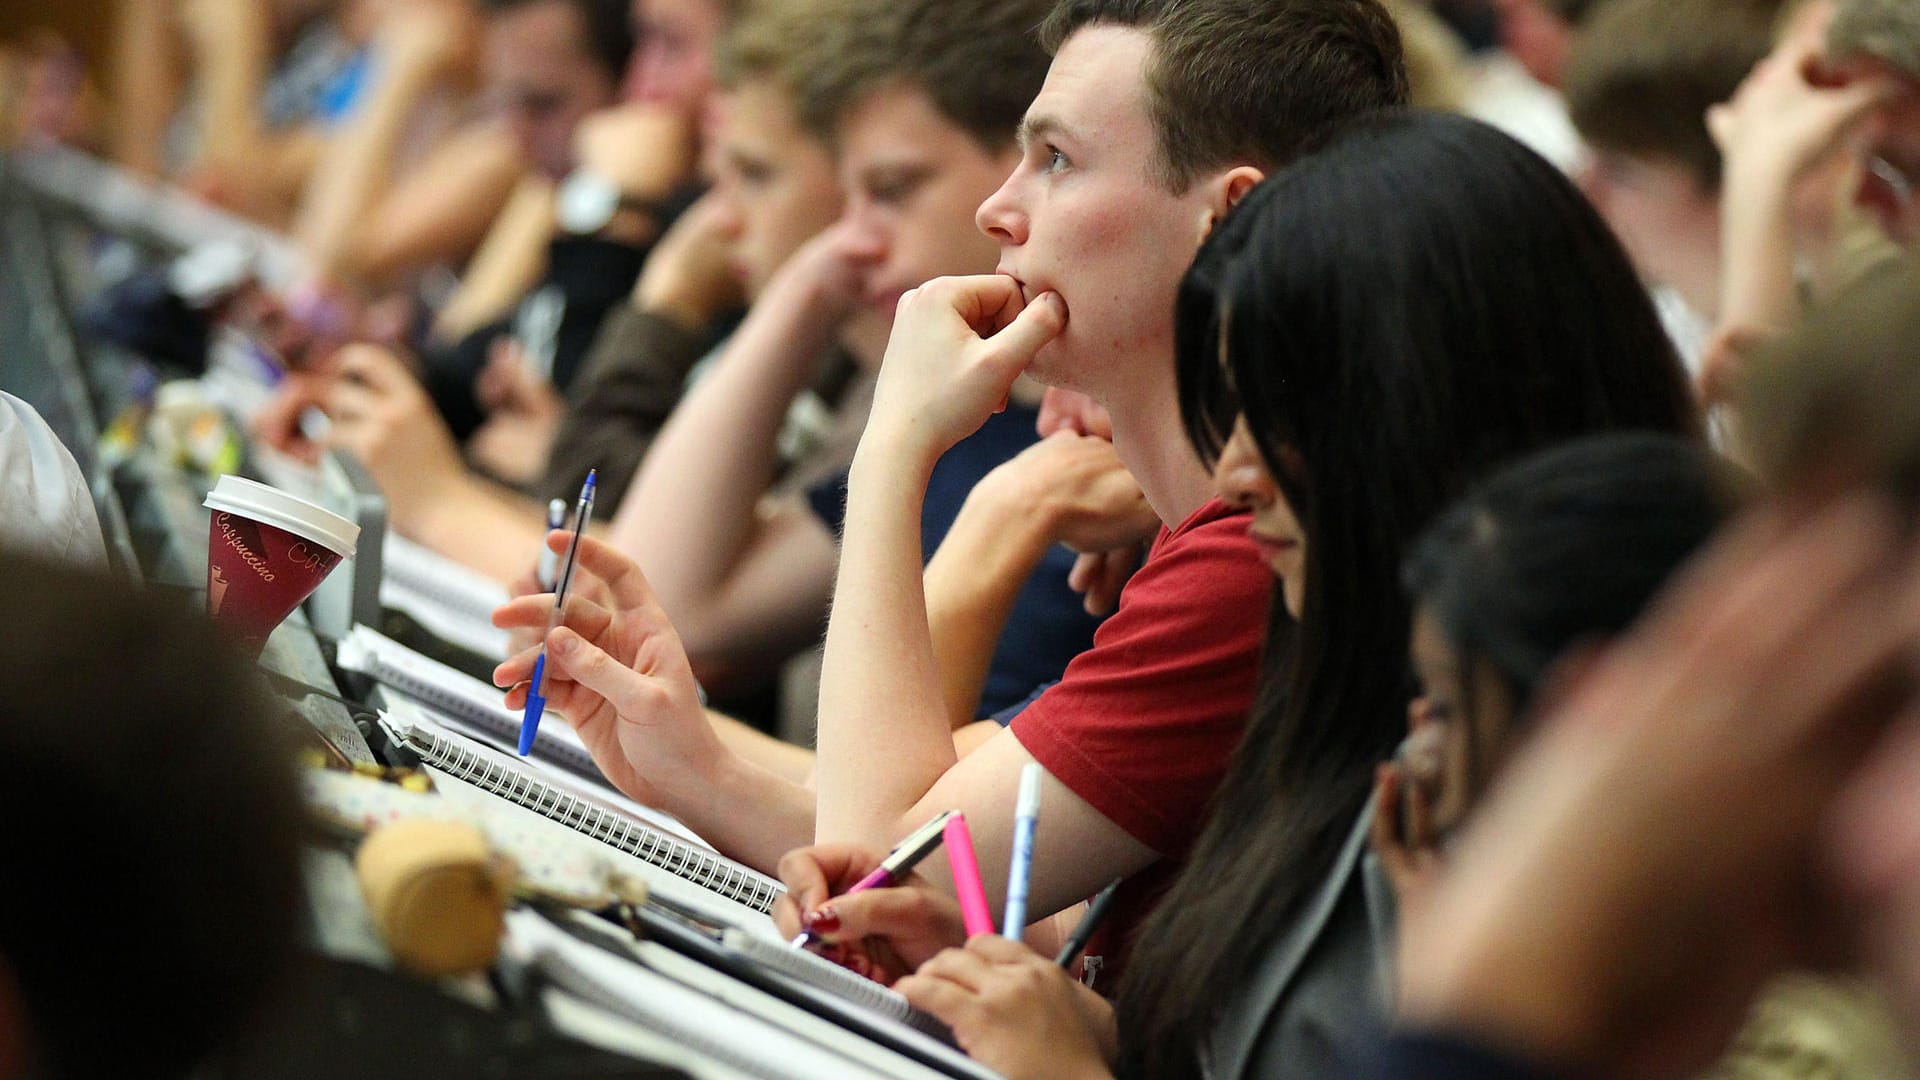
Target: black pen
1096 914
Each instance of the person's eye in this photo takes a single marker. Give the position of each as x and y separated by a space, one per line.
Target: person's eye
890 191
1056 160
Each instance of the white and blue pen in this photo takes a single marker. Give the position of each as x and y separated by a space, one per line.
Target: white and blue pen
537 692
1026 815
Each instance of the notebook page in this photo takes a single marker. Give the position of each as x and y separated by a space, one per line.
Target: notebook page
668 887
459 590
378 656
733 1035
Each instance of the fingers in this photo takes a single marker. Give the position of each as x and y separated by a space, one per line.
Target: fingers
964 968
1111 574
584 617
373 366
1035 325
907 913
813 874
620 574
632 694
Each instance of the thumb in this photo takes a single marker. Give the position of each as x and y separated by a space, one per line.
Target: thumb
1037 324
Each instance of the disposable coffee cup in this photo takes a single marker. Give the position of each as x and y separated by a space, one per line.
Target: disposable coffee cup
266 552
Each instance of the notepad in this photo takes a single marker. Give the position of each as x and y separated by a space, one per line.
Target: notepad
474 706
732 1035
509 779
457 589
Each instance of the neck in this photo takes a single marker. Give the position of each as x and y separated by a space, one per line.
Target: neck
1153 445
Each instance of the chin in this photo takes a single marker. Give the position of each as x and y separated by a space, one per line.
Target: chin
1053 366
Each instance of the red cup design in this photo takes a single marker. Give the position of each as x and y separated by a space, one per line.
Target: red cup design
258 572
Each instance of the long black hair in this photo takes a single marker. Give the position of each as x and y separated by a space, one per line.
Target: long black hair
1419 302
1566 546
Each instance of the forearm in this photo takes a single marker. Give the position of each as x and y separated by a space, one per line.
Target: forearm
879 676
480 525
790 763
439 211
147 84
971 584
509 262
691 511
356 165
749 811
1759 291
233 67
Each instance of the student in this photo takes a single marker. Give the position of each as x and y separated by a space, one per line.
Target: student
773 188
922 101
544 66
153 898
1312 315
1114 190
1641 867
1561 550
1638 87
1545 561
1843 75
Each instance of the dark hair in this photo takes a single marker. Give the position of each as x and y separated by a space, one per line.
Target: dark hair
978 61
606 27
1257 82
1568 545
1644 72
152 846
1418 303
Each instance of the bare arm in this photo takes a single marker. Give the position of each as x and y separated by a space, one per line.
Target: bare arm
440 211
887 760
696 517
231 43
1776 130
509 262
146 68
412 51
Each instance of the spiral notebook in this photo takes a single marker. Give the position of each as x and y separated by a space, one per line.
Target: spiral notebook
475 708
498 775
449 600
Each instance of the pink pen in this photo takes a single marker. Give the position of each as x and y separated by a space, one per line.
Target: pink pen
898 863
966 877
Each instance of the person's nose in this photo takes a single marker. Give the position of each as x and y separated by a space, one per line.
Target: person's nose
1003 216
1240 478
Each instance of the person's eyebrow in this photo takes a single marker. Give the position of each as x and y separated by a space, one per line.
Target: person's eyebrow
1035 128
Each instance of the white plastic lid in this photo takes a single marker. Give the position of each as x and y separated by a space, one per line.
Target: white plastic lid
271 506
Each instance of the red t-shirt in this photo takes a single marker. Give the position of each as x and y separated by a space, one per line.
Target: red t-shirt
1141 726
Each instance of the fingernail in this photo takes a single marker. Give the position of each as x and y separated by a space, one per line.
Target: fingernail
562 644
823 921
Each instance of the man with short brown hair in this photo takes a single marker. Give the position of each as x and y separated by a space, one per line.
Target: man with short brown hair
1638 87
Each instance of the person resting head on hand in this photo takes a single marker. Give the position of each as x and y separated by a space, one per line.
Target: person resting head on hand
1311 312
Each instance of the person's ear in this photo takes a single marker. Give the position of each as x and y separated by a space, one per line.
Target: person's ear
1224 192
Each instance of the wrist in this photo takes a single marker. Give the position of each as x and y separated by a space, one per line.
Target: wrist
891 456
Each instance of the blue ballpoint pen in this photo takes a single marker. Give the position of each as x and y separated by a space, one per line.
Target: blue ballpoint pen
536 692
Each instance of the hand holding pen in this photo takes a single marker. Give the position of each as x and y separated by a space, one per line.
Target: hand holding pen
537 693
882 933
